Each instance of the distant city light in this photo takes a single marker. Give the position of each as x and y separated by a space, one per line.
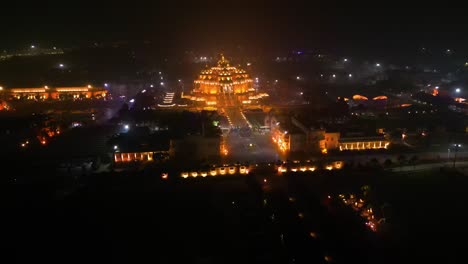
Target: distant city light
132 100
144 91
1 88
116 147
377 64
47 87
89 86
179 80
248 63
302 93
161 83
437 87
345 60
151 86
106 85
458 90
298 77
61 65
54 48
350 75
127 127
33 47
276 80
159 73
334 75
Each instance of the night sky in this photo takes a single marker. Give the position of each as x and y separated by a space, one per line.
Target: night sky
359 29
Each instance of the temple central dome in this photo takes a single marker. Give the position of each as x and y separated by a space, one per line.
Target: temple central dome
223 78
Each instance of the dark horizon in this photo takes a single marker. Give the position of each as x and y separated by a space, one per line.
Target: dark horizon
366 31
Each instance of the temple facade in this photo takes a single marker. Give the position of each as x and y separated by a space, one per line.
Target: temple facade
223 78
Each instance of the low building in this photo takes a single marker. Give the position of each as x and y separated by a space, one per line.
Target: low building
296 141
363 143
331 140
140 156
294 135
49 93
287 136
140 146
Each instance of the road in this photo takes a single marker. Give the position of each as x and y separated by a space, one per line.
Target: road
229 104
227 100
235 117
253 149
244 146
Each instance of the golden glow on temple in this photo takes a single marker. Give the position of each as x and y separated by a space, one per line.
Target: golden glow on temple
223 78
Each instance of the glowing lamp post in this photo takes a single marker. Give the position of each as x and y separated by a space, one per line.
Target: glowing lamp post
456 146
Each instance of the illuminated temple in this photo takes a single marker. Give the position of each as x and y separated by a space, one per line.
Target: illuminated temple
223 78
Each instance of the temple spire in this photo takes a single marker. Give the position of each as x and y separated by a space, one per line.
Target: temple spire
223 62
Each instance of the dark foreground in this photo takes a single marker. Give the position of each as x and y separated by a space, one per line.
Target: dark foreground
260 218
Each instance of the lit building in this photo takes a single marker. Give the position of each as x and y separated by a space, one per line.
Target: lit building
287 136
133 156
140 146
363 143
375 102
302 138
57 93
3 105
330 141
223 78
333 140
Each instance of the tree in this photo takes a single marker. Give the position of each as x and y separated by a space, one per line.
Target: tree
388 163
413 160
401 160
365 190
374 163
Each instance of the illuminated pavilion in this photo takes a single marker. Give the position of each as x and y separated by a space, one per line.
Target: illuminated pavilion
223 78
53 93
